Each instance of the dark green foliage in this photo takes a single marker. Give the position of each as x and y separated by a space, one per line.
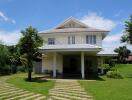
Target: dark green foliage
4 60
123 53
128 29
14 58
21 69
114 74
28 45
111 63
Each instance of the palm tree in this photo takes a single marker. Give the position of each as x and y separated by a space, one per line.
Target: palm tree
128 30
123 53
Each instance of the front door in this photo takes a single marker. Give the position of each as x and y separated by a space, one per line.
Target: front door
71 66
90 67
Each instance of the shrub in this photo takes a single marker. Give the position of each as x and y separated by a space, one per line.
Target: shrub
111 63
114 74
106 66
21 69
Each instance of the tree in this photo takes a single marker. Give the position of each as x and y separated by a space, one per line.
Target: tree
14 57
4 60
123 53
28 45
128 30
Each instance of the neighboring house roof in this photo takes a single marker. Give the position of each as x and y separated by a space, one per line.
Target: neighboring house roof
129 58
71 47
106 52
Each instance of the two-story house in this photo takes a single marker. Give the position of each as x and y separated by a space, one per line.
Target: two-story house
71 48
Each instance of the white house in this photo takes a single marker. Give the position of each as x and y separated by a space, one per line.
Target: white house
72 48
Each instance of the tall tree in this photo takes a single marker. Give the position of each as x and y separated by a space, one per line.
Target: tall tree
123 53
4 60
28 45
14 57
128 30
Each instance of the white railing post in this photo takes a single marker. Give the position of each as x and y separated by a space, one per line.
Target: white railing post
82 65
54 65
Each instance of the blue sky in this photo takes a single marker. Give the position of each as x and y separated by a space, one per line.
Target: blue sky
15 15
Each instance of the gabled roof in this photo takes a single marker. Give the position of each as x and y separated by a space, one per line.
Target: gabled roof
71 19
82 28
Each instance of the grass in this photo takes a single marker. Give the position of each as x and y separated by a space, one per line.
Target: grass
36 86
111 89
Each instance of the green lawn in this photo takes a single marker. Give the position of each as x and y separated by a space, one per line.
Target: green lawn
111 89
36 86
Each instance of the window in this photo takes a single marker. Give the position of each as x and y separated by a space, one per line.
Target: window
51 41
72 25
71 39
91 39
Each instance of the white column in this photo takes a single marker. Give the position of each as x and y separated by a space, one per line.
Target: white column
54 64
82 65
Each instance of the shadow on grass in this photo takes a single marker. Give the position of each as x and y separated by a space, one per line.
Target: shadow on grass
99 79
129 76
37 79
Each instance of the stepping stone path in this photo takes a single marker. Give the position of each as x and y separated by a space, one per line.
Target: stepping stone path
68 90
10 92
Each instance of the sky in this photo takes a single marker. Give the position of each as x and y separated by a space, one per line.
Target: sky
16 15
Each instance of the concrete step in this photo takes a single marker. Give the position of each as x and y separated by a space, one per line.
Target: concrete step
40 98
21 96
58 98
71 97
14 94
31 97
71 93
10 92
70 89
1 87
77 92
65 86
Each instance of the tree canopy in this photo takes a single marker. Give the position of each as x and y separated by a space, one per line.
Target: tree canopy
128 30
123 53
28 45
4 60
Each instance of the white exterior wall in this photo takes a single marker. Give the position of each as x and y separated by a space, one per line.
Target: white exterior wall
80 38
47 62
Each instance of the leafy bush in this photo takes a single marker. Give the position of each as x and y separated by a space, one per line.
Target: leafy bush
114 74
106 66
6 70
111 63
21 69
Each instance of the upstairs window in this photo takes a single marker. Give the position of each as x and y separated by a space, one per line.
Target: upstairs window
91 39
71 25
71 39
51 41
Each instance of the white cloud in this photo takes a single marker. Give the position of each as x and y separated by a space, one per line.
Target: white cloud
10 38
113 41
5 18
94 20
113 38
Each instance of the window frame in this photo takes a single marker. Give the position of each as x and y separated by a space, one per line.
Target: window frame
91 39
71 39
51 41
